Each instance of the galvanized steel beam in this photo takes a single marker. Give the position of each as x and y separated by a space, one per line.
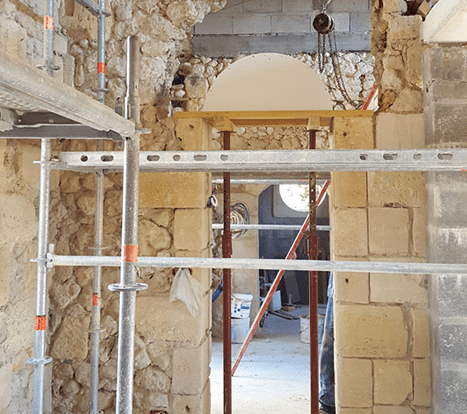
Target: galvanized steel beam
25 88
240 263
275 160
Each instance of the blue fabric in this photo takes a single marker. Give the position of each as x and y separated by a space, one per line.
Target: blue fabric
326 356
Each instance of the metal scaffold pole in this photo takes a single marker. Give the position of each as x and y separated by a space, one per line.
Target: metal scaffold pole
313 290
128 271
40 360
98 226
227 253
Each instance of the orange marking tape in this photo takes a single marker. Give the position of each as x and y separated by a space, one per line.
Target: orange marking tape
48 23
100 67
95 299
41 323
130 253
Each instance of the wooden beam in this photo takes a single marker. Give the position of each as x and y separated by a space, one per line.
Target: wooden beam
222 123
273 117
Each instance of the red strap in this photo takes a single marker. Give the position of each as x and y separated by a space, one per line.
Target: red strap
130 253
100 67
41 323
48 23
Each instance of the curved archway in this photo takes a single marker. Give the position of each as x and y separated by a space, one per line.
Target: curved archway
268 82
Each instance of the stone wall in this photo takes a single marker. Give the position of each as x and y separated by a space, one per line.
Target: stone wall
382 335
397 49
196 76
19 191
166 344
382 353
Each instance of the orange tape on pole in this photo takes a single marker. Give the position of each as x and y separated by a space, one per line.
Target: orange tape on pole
41 323
130 253
48 23
95 299
100 67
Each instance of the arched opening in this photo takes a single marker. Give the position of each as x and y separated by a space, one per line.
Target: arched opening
267 82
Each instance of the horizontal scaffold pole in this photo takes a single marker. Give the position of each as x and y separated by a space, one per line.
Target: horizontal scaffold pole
276 264
274 160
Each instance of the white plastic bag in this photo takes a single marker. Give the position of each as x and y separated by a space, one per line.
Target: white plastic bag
187 289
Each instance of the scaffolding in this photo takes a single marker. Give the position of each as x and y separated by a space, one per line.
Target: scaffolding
33 105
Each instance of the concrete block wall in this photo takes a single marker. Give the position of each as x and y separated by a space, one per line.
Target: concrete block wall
445 78
283 26
381 320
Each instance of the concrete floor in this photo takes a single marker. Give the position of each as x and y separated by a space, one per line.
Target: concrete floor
274 375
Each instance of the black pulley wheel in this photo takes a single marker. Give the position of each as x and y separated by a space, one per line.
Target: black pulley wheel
323 23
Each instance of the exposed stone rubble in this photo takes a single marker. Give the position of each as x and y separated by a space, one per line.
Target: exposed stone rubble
397 48
196 75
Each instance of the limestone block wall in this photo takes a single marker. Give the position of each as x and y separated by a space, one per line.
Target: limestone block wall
381 323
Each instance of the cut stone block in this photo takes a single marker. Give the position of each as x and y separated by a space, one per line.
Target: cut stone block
356 411
194 133
388 231
174 190
376 331
422 382
396 288
393 381
419 232
349 235
396 188
157 318
349 189
354 387
191 368
351 287
193 404
421 334
352 133
192 229
392 410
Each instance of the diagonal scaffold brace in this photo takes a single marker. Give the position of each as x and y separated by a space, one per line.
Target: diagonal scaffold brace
290 255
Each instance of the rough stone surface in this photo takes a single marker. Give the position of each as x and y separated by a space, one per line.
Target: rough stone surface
393 381
380 333
354 388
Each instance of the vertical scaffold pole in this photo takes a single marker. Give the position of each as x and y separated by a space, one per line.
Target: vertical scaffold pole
101 90
226 253
40 360
98 226
313 255
96 297
128 286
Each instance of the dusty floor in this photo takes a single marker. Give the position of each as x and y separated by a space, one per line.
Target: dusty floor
274 375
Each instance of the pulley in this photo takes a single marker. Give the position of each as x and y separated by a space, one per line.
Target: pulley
323 23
